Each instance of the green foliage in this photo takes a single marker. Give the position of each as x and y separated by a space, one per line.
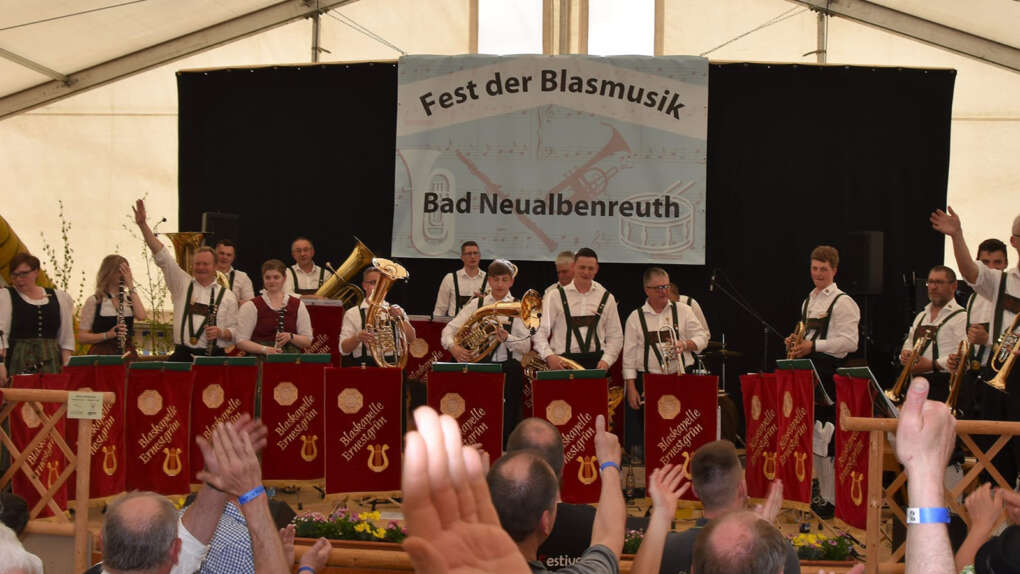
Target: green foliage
153 291
821 547
345 525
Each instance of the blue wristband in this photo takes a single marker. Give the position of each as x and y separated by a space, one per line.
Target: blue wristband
251 494
937 515
306 569
603 466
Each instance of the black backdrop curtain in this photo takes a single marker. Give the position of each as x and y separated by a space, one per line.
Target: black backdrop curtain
798 156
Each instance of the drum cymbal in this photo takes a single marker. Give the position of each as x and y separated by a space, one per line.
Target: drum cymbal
721 354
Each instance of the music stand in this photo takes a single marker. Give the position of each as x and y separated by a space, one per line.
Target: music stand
821 395
884 405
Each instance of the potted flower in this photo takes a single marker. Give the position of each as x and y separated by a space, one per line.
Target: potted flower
346 529
823 551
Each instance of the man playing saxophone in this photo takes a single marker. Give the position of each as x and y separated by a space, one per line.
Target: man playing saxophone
945 321
1002 288
643 346
355 340
514 337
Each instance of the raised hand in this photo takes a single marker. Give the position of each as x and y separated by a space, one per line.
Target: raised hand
607 445
665 489
947 222
139 211
231 463
773 502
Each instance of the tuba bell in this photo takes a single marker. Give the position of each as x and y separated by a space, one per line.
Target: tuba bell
478 334
185 244
340 284
390 340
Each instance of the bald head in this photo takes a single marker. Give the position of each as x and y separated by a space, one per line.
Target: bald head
542 437
739 543
523 488
139 533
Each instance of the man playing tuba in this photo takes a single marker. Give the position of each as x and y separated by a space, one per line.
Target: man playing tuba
514 340
355 340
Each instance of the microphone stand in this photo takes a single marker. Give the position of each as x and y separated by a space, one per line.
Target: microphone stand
766 328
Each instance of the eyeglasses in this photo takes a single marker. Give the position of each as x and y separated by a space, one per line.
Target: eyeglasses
936 282
20 274
659 288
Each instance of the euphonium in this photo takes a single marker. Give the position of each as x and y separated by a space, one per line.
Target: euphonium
531 363
340 284
478 334
957 377
390 340
795 340
895 394
1002 355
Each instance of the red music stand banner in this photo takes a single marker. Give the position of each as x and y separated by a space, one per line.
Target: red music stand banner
680 416
760 399
572 404
158 406
794 435
853 398
362 410
45 458
473 395
429 351
327 317
292 408
222 391
102 373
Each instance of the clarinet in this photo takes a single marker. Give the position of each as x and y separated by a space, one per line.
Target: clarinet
279 326
211 343
121 334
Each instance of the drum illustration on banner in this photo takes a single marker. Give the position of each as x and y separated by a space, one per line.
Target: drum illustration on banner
666 239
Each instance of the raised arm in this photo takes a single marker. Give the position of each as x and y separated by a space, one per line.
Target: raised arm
665 490
948 222
611 516
143 225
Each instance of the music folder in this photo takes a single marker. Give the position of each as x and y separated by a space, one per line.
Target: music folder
821 396
883 405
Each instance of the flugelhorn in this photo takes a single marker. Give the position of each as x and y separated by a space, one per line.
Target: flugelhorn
390 340
672 359
478 334
795 340
340 284
895 394
957 377
1003 355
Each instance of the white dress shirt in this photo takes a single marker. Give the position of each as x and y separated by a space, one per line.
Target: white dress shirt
106 309
987 285
177 281
248 317
949 335
518 343
352 326
551 288
842 336
551 338
446 300
243 288
687 299
65 333
981 312
688 327
309 280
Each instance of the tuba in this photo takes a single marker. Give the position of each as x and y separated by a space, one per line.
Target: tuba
478 334
340 284
895 394
957 377
390 340
1003 355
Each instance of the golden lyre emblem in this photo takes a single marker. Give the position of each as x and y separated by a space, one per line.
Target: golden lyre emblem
769 466
856 492
309 448
172 461
377 459
800 467
587 473
51 475
109 459
686 465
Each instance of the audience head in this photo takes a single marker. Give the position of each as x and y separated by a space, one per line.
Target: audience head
140 534
524 491
739 543
540 437
1000 554
14 559
13 512
992 253
718 478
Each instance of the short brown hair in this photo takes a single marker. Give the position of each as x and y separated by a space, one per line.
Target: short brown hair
274 265
24 258
716 474
500 267
949 273
826 254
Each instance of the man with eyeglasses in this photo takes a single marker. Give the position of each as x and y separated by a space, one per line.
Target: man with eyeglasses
642 351
461 286
944 321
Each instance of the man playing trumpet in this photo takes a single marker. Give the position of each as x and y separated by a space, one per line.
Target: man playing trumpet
645 334
945 321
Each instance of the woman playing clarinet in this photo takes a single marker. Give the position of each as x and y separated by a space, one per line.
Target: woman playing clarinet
108 317
273 322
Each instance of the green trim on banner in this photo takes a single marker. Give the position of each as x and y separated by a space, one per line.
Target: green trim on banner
227 361
299 357
467 367
157 365
570 374
858 372
794 364
95 360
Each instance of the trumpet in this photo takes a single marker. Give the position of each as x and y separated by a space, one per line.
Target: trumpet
895 394
672 359
957 377
531 363
795 340
1003 355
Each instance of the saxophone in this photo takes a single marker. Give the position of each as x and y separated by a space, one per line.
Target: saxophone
478 334
390 340
795 340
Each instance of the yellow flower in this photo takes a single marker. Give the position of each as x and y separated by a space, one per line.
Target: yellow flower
363 527
379 533
374 515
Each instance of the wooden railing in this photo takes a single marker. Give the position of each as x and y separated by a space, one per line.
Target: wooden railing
78 461
879 496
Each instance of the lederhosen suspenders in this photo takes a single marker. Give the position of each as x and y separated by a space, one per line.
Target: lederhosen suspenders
919 330
204 310
230 282
819 325
974 359
649 343
364 350
508 326
461 300
574 324
293 275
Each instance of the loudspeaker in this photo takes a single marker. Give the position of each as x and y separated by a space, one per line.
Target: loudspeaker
219 226
861 263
